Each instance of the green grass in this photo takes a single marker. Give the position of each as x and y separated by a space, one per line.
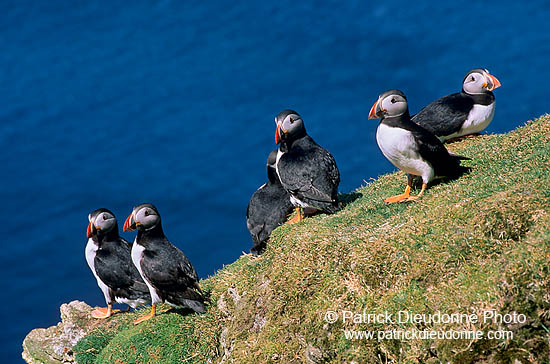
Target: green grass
477 243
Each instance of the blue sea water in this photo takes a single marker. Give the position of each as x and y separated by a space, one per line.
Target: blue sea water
110 104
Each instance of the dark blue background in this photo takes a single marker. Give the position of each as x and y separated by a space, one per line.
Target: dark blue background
113 104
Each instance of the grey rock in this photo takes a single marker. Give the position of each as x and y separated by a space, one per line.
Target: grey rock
54 344
313 354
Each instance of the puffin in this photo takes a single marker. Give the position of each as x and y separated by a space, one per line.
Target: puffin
167 272
410 147
306 170
268 208
465 113
109 259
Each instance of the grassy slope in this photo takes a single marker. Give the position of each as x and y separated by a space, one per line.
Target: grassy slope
480 242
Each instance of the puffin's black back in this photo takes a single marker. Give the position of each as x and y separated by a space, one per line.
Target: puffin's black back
271 164
268 208
446 115
113 264
309 172
169 271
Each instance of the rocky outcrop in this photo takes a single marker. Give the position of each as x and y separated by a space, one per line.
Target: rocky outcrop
54 344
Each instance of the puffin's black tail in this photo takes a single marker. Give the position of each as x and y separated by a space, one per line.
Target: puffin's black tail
196 306
332 208
189 298
459 157
456 170
258 247
259 235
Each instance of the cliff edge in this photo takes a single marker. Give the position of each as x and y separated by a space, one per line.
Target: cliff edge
372 283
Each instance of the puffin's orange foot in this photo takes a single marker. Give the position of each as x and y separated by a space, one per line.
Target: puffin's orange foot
402 197
165 310
398 198
98 313
103 312
296 219
406 196
144 318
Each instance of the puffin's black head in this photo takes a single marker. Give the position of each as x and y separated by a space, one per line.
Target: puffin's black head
479 81
101 222
389 104
144 217
271 167
289 126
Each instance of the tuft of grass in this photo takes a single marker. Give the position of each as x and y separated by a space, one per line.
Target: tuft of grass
88 348
472 245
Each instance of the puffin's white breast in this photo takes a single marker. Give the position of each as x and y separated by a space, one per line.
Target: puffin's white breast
400 148
279 155
137 254
299 203
132 303
478 119
91 251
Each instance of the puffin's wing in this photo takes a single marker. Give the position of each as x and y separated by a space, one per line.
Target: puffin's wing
171 273
430 147
168 269
110 268
187 271
313 175
446 115
188 277
255 222
256 210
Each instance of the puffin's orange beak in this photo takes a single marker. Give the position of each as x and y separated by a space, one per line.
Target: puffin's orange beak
494 81
89 231
374 110
129 224
279 134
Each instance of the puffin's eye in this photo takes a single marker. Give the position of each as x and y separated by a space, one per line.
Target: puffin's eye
146 213
472 78
104 217
393 101
291 121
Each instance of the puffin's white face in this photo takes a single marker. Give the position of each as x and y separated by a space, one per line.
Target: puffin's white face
100 222
393 105
291 122
104 222
146 217
288 123
479 81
